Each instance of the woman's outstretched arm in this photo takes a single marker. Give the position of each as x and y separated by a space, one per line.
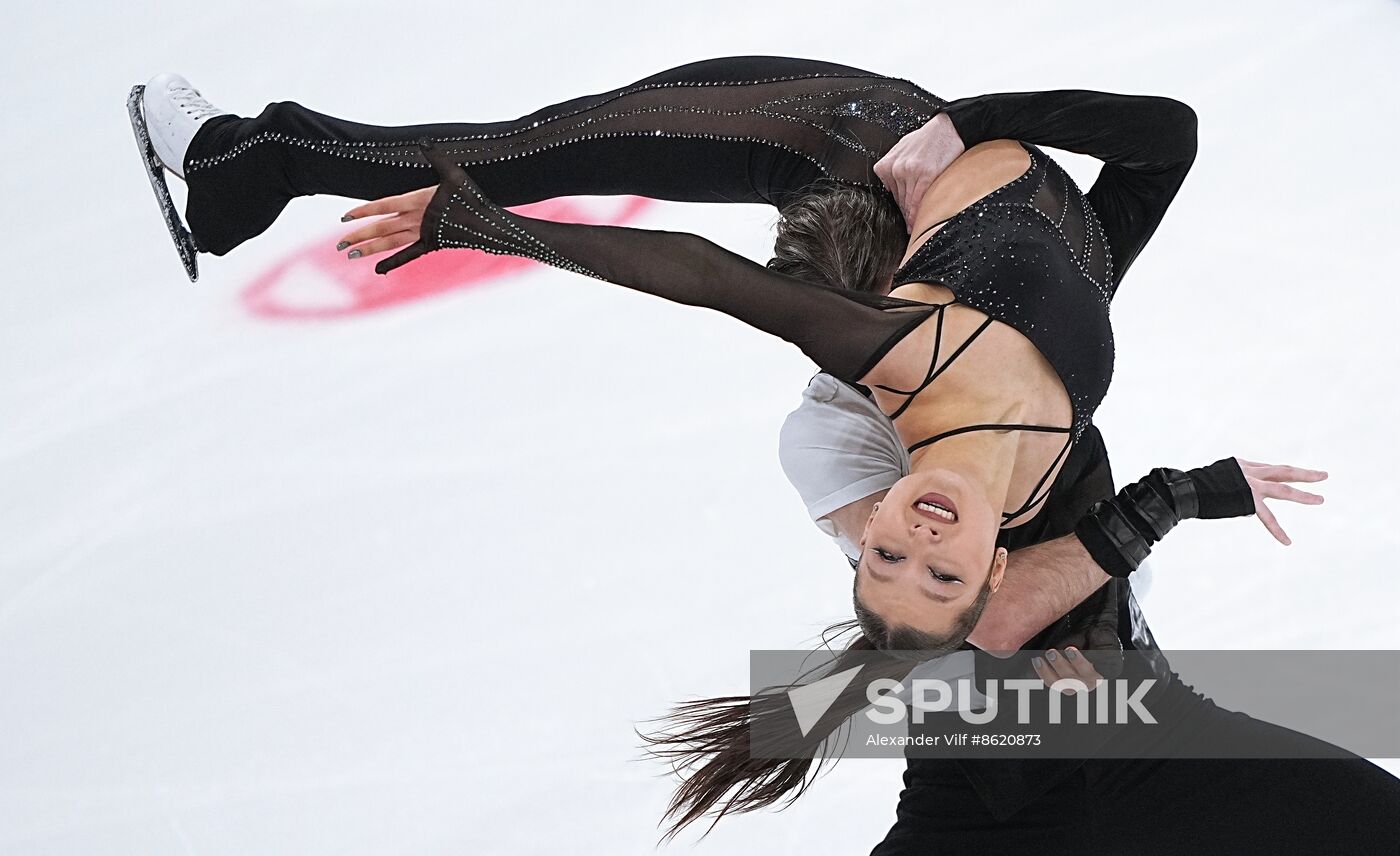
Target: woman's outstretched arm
738 129
845 332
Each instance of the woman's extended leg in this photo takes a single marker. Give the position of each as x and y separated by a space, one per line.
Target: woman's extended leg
742 129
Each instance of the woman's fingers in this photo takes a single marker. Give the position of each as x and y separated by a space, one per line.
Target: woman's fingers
1070 665
379 229
1271 523
400 221
387 242
1043 670
414 199
1082 668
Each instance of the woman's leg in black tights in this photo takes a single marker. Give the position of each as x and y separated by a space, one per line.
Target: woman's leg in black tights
679 135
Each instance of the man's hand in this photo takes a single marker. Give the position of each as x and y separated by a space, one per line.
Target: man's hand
1042 583
398 227
909 169
1266 481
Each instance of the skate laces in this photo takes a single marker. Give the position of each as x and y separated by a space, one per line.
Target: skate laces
189 100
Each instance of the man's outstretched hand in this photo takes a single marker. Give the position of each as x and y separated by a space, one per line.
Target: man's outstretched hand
1269 481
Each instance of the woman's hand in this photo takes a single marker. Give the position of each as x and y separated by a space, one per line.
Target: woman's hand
1071 665
398 227
909 169
1267 481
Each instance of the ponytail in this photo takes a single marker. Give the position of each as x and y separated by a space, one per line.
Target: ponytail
737 754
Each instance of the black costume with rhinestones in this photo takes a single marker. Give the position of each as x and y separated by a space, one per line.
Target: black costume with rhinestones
760 129
739 129
1034 254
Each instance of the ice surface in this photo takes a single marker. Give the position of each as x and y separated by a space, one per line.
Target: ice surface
403 580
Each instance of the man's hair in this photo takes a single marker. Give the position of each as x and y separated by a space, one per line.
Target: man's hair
840 236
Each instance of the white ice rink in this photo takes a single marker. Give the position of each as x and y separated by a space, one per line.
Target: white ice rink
402 580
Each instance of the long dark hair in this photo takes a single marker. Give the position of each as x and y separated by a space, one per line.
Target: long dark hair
710 745
736 754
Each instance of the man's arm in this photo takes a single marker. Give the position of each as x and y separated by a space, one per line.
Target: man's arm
1045 581
1041 584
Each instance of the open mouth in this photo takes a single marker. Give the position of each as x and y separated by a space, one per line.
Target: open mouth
937 507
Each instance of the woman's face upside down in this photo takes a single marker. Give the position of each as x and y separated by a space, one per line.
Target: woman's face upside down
928 554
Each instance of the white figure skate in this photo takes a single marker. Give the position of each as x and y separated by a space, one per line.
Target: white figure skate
165 114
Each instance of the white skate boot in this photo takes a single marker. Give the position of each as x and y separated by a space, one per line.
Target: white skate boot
165 114
174 112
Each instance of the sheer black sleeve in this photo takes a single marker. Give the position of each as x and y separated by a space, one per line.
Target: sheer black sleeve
844 332
1147 144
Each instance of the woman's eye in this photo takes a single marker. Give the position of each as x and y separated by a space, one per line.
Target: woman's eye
886 555
943 578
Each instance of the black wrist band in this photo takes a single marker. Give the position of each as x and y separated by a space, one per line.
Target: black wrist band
1119 532
1184 493
1223 490
1114 545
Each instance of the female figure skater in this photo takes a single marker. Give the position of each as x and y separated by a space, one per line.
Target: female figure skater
1000 314
749 129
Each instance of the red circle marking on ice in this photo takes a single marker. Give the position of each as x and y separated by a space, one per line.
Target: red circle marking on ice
316 282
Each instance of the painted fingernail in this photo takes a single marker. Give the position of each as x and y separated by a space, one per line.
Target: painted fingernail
1070 653
1050 655
355 254
342 245
346 219
1037 662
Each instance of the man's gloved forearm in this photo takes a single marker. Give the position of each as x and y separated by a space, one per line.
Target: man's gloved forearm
1119 532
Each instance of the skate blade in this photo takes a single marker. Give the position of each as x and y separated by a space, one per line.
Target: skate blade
155 171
